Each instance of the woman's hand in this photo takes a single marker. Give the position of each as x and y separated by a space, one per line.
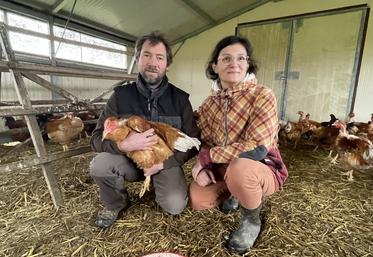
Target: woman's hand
205 177
204 157
202 176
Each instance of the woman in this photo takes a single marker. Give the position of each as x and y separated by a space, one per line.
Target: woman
239 163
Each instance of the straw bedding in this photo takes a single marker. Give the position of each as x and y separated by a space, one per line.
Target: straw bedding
318 213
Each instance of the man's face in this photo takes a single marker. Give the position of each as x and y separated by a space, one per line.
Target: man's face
152 62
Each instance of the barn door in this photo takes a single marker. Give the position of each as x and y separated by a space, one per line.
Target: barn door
270 43
310 61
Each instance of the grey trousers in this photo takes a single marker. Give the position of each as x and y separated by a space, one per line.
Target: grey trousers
110 171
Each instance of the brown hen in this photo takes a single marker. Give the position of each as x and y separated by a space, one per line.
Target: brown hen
356 152
169 139
64 130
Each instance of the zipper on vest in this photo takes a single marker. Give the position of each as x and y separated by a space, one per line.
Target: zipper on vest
149 104
225 119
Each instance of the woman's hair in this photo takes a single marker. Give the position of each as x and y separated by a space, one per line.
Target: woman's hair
227 41
154 38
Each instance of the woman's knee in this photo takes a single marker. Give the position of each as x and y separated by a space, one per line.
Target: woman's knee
241 171
203 198
194 197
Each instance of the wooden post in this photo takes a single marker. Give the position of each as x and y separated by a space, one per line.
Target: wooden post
46 84
32 124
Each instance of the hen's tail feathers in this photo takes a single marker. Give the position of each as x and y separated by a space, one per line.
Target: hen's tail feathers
184 142
145 187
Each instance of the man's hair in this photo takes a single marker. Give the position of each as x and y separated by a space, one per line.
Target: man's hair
154 38
227 41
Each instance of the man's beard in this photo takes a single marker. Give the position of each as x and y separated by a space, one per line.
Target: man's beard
152 80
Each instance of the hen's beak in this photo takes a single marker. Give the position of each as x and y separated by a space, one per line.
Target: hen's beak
104 134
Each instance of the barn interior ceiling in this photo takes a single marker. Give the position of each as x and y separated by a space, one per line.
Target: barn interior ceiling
125 20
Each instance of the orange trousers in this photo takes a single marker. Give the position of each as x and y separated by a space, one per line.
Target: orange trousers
247 180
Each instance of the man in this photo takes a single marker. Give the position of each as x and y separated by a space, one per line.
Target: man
155 99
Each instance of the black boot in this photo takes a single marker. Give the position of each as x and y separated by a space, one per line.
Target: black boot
244 237
106 217
231 204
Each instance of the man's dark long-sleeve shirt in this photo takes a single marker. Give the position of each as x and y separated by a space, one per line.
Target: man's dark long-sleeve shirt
167 104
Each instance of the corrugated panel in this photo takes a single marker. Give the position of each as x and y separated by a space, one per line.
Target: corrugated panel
219 9
83 88
8 92
177 19
173 18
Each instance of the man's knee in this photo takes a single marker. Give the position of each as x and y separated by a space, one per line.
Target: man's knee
97 166
174 203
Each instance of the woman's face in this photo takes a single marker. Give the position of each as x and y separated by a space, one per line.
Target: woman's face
232 65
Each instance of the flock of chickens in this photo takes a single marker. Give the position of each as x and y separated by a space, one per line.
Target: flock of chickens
64 130
60 129
352 141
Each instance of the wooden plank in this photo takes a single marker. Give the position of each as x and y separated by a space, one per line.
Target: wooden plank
68 72
13 149
32 124
42 160
13 131
49 109
46 84
45 102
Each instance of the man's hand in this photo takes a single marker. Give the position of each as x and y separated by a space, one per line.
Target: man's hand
138 141
153 170
205 177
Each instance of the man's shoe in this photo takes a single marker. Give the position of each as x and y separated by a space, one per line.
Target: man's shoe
231 204
105 218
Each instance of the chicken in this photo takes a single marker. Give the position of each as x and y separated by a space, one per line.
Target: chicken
17 128
361 127
292 132
89 119
330 122
12 123
320 133
301 116
169 139
356 152
350 117
324 137
64 130
308 123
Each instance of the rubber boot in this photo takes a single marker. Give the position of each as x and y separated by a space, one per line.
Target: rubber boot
244 237
106 217
231 204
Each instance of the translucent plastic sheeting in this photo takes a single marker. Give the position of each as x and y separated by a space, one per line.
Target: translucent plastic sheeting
309 62
324 54
270 44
